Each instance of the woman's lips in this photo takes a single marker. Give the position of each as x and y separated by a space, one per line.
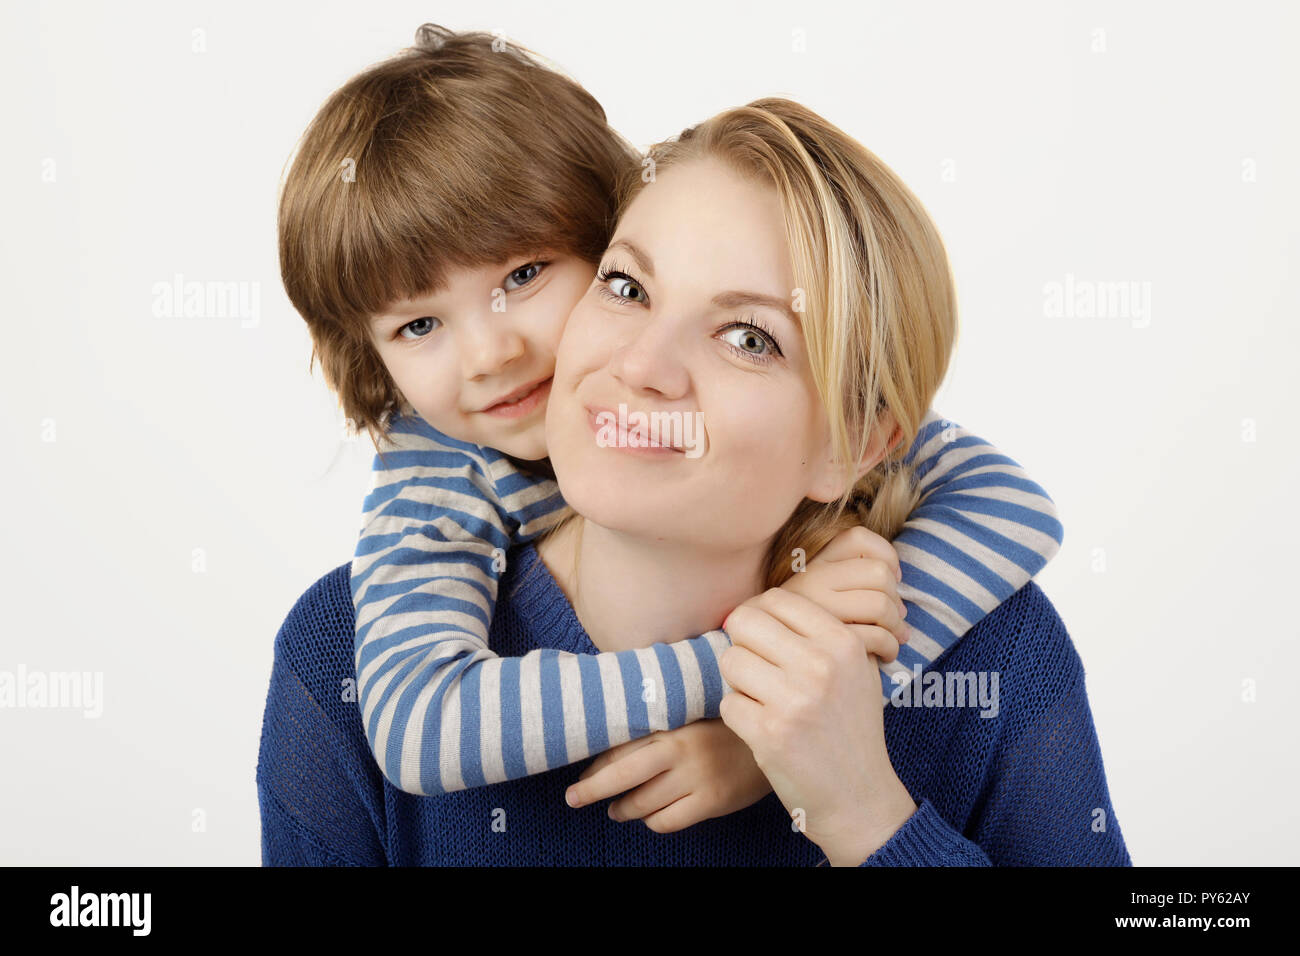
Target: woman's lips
521 402
600 420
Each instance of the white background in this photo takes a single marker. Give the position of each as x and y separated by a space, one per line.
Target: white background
1161 150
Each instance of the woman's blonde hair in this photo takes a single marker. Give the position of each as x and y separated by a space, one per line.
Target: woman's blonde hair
873 286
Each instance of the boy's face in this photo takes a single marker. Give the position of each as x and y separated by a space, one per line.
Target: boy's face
475 358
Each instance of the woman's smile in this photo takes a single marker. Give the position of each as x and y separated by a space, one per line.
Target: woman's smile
656 435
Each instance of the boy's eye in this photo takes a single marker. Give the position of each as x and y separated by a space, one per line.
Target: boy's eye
419 328
523 275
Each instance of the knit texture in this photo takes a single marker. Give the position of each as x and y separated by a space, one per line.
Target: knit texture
1024 787
442 712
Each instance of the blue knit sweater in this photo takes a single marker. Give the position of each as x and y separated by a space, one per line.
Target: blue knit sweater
1024 787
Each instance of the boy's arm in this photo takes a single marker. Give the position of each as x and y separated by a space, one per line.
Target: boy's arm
982 529
441 711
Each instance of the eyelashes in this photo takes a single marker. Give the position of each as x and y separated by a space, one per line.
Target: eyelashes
604 275
750 323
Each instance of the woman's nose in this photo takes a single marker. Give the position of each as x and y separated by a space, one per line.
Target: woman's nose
651 361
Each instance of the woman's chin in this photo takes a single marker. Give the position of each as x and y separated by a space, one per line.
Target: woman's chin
615 507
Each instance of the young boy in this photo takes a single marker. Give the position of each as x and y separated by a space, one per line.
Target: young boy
445 211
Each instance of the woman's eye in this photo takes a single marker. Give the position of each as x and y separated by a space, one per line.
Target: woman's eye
626 288
748 340
523 275
419 328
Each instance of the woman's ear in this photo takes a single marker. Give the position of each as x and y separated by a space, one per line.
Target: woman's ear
828 481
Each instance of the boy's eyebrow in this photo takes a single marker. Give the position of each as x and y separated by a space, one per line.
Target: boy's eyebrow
394 311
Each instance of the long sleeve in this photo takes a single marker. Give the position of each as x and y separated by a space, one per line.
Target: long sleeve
1046 803
318 799
441 711
983 528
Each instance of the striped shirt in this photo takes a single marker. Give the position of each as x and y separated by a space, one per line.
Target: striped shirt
443 713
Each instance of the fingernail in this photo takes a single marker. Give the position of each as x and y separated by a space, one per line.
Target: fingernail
570 798
611 814
904 609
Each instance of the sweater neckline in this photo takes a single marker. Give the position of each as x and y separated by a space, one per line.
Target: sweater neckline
546 612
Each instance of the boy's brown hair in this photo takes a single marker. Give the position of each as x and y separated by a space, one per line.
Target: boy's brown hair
460 151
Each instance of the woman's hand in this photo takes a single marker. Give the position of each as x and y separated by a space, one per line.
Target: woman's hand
682 776
806 698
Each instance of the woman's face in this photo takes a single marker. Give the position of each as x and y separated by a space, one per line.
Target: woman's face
689 323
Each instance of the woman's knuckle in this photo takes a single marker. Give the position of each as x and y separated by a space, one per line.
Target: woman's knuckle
821 666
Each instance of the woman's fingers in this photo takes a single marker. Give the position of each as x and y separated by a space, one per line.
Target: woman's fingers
743 716
752 627
877 641
853 604
827 633
807 619
750 674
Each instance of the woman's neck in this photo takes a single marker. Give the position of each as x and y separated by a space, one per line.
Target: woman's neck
633 592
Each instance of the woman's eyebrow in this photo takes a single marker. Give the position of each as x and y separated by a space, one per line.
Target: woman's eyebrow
636 252
735 300
723 300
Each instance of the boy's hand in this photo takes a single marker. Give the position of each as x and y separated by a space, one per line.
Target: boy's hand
695 772
855 578
703 770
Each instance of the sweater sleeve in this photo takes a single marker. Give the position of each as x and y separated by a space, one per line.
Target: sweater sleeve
1046 803
442 712
981 530
319 806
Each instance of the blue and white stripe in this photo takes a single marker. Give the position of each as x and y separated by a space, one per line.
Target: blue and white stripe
443 713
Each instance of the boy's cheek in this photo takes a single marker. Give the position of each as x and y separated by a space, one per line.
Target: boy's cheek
437 406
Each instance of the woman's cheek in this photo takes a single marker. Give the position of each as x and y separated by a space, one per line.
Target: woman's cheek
759 457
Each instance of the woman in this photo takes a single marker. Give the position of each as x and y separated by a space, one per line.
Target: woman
777 283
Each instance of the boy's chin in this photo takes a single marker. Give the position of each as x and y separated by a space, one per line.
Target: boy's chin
525 446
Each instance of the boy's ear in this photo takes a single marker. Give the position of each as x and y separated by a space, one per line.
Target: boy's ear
829 479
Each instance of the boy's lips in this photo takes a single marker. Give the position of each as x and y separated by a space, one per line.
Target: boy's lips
521 401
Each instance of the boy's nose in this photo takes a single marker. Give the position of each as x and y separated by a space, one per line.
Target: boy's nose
489 352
